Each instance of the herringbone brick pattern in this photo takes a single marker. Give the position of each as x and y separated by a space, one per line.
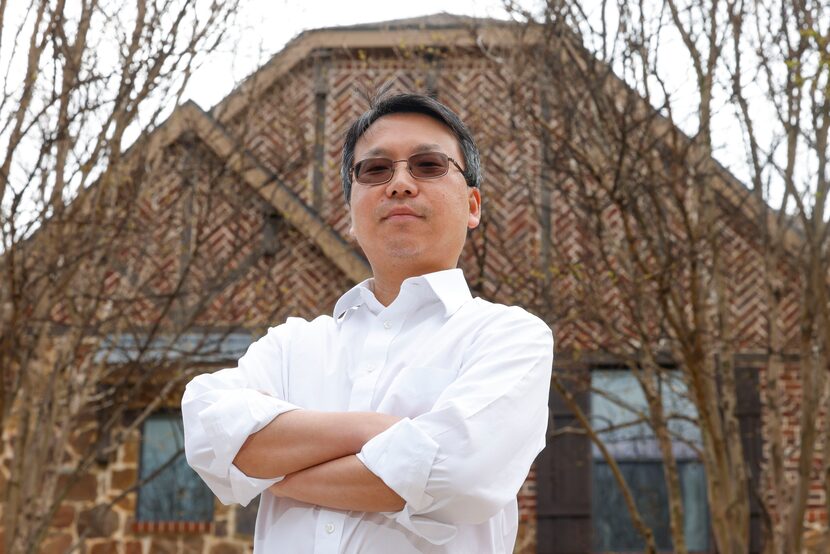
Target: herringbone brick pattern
208 252
748 309
744 288
280 130
503 255
298 280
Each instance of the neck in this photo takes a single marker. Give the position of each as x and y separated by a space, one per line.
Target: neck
386 291
387 284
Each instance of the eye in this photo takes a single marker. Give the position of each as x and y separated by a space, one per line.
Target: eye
429 164
373 166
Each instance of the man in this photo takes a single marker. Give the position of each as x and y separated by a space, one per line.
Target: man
408 421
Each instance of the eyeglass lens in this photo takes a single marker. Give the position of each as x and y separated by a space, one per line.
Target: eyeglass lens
376 171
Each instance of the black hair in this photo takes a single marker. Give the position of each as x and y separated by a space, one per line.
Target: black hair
383 104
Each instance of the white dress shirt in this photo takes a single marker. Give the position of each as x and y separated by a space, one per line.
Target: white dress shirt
469 378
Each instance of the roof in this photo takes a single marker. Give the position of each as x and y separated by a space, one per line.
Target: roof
441 29
190 118
441 20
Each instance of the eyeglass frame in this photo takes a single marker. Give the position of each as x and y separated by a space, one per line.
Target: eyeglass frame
353 174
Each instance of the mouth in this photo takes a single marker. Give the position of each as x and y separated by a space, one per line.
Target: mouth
401 213
401 217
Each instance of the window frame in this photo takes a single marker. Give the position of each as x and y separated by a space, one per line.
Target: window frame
652 459
563 469
172 525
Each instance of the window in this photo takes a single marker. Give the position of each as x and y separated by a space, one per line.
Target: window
246 517
173 492
617 408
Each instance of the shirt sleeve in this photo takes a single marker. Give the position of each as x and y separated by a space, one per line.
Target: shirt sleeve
221 409
465 459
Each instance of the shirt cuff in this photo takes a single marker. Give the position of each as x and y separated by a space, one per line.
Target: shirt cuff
229 421
402 457
244 488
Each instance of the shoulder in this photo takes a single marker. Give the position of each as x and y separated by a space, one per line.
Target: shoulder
493 325
494 314
302 325
295 328
321 323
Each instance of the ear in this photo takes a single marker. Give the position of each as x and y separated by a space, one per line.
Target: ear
351 221
474 198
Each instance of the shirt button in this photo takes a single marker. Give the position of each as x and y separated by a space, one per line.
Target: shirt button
329 528
387 325
370 368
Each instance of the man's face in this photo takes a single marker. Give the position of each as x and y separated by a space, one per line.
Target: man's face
411 225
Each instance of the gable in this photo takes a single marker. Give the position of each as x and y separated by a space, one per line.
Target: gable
532 240
212 247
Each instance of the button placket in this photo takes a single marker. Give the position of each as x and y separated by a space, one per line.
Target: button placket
375 351
329 531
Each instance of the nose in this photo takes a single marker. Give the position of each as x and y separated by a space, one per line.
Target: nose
402 182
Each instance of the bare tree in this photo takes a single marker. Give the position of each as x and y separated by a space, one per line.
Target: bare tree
99 281
666 233
780 52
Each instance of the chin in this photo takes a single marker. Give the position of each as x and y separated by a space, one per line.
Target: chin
407 252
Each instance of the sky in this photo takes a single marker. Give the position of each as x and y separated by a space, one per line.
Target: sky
265 26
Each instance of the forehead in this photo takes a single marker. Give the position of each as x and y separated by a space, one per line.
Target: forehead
403 134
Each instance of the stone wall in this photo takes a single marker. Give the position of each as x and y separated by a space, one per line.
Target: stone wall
98 514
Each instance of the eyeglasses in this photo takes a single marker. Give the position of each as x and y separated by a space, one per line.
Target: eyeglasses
426 165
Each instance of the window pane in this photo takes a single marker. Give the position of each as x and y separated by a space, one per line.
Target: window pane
614 415
612 527
174 492
618 407
696 506
613 530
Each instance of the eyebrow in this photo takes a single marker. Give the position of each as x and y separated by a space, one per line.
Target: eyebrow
380 150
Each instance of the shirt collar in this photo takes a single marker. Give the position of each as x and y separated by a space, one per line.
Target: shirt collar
352 299
448 286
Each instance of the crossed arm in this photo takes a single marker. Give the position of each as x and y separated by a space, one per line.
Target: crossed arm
317 456
460 462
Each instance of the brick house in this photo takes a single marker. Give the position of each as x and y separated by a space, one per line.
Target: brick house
271 152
